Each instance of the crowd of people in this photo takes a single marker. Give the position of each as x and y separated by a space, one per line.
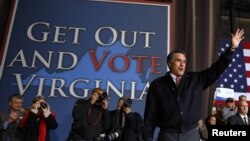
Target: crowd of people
91 120
173 104
31 124
99 124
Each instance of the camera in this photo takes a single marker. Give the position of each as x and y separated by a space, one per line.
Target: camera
103 96
113 135
101 137
44 105
127 102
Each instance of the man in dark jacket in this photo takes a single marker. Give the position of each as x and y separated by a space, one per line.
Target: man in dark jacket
9 121
91 118
125 124
241 117
174 101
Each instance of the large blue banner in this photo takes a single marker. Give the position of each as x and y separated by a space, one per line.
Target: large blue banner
62 49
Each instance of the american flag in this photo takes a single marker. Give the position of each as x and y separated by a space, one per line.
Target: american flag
237 75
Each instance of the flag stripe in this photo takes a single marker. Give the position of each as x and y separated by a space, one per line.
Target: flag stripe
247 66
246 45
247 59
247 74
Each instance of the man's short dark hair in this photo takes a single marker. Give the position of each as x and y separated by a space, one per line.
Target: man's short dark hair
18 96
242 96
171 54
230 100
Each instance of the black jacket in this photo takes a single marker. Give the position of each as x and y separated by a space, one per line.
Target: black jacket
178 110
129 127
89 120
12 131
30 126
236 120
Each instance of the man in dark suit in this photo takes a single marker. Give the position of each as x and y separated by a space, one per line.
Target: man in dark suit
9 120
244 97
125 125
241 118
175 107
90 117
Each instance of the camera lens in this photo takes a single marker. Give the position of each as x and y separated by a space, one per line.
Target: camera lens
103 96
114 135
43 105
127 103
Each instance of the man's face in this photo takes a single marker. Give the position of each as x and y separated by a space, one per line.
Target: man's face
212 120
230 104
95 96
177 65
243 107
16 104
219 108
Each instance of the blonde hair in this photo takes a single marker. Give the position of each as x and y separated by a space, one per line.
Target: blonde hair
38 98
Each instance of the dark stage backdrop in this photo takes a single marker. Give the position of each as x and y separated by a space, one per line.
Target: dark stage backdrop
62 49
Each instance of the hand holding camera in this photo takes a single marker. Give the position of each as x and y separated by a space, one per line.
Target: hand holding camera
103 96
127 102
45 108
43 105
103 100
127 110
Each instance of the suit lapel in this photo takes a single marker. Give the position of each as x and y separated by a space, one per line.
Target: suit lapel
242 122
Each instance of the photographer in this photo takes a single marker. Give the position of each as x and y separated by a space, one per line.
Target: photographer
90 117
125 124
37 121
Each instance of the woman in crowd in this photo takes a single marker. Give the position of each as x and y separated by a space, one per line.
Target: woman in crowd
37 121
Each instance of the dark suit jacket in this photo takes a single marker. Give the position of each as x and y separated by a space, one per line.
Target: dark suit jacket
12 131
89 120
236 120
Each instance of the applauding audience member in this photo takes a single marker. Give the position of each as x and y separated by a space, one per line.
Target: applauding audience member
10 120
